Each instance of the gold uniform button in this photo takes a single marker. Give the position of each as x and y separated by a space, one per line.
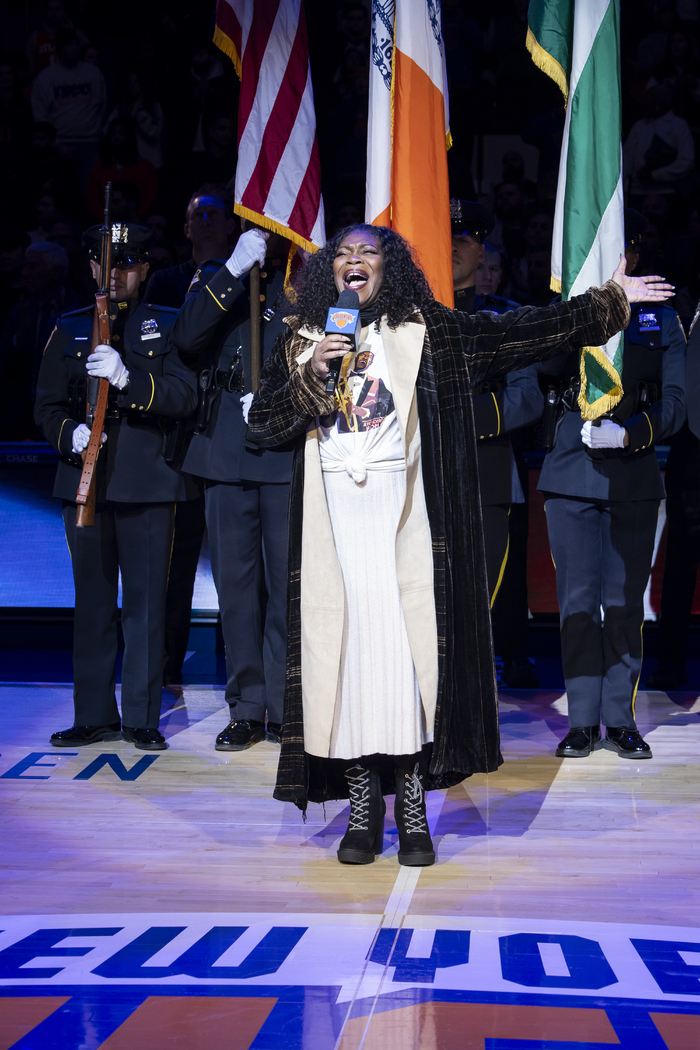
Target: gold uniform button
140 408
133 406
262 274
150 353
78 355
229 289
223 295
115 338
262 298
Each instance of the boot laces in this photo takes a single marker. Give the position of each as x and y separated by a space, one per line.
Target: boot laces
414 805
359 790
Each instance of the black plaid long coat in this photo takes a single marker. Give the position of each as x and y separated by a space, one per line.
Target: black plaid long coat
459 351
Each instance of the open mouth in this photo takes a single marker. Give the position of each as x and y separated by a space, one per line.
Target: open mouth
355 279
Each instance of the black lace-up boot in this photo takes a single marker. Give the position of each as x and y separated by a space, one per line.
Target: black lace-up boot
364 838
415 844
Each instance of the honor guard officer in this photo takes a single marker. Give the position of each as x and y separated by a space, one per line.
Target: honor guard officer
499 407
136 491
602 486
682 480
247 489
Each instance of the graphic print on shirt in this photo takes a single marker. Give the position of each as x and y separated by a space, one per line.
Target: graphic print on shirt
364 400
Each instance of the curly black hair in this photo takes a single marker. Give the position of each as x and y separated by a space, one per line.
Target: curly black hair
404 286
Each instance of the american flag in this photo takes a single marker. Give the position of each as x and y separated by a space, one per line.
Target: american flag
278 177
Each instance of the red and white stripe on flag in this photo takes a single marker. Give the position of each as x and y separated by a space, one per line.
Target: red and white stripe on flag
278 176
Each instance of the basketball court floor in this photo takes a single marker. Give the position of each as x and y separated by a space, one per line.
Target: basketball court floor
167 901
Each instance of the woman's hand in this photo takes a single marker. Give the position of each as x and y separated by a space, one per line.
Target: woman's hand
330 346
642 289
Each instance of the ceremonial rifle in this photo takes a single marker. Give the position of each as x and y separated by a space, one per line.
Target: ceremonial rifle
97 389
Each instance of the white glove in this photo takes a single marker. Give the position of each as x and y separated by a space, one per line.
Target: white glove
250 249
607 435
246 402
106 363
81 438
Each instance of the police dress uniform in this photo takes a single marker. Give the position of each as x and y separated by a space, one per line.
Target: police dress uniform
602 507
499 407
136 492
246 495
682 481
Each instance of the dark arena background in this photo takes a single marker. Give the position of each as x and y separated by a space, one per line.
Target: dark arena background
166 901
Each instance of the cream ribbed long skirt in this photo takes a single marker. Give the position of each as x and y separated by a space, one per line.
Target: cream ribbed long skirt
378 707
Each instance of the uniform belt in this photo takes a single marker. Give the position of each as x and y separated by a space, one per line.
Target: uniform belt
229 379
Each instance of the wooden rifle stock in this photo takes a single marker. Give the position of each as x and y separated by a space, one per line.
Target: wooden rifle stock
86 495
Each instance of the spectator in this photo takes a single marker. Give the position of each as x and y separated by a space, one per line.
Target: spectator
15 120
41 47
14 241
209 226
138 105
126 201
680 71
26 332
215 87
537 238
659 151
120 162
218 161
69 236
161 256
509 209
41 163
92 56
46 214
539 271
72 96
158 224
490 272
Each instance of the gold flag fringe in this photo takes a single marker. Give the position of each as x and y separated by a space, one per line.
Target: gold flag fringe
549 65
226 44
606 402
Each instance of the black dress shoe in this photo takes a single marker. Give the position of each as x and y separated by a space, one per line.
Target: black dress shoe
667 677
627 742
578 743
519 674
240 734
274 732
77 736
144 739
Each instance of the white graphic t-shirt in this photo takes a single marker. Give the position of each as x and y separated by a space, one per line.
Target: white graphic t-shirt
363 433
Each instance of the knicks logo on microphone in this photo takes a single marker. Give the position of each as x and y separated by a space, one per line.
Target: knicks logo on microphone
341 318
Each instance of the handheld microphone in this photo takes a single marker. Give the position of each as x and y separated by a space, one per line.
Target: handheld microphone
343 319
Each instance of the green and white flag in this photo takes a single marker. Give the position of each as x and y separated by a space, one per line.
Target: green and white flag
577 43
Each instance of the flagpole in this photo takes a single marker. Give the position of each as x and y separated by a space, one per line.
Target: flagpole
255 327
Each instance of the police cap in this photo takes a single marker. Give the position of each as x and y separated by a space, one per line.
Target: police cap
130 243
635 225
470 217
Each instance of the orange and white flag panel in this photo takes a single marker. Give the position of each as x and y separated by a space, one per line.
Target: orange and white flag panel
408 132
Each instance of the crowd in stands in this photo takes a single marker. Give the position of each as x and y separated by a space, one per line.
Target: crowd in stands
144 99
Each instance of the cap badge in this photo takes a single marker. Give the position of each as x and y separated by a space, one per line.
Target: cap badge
455 208
120 233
